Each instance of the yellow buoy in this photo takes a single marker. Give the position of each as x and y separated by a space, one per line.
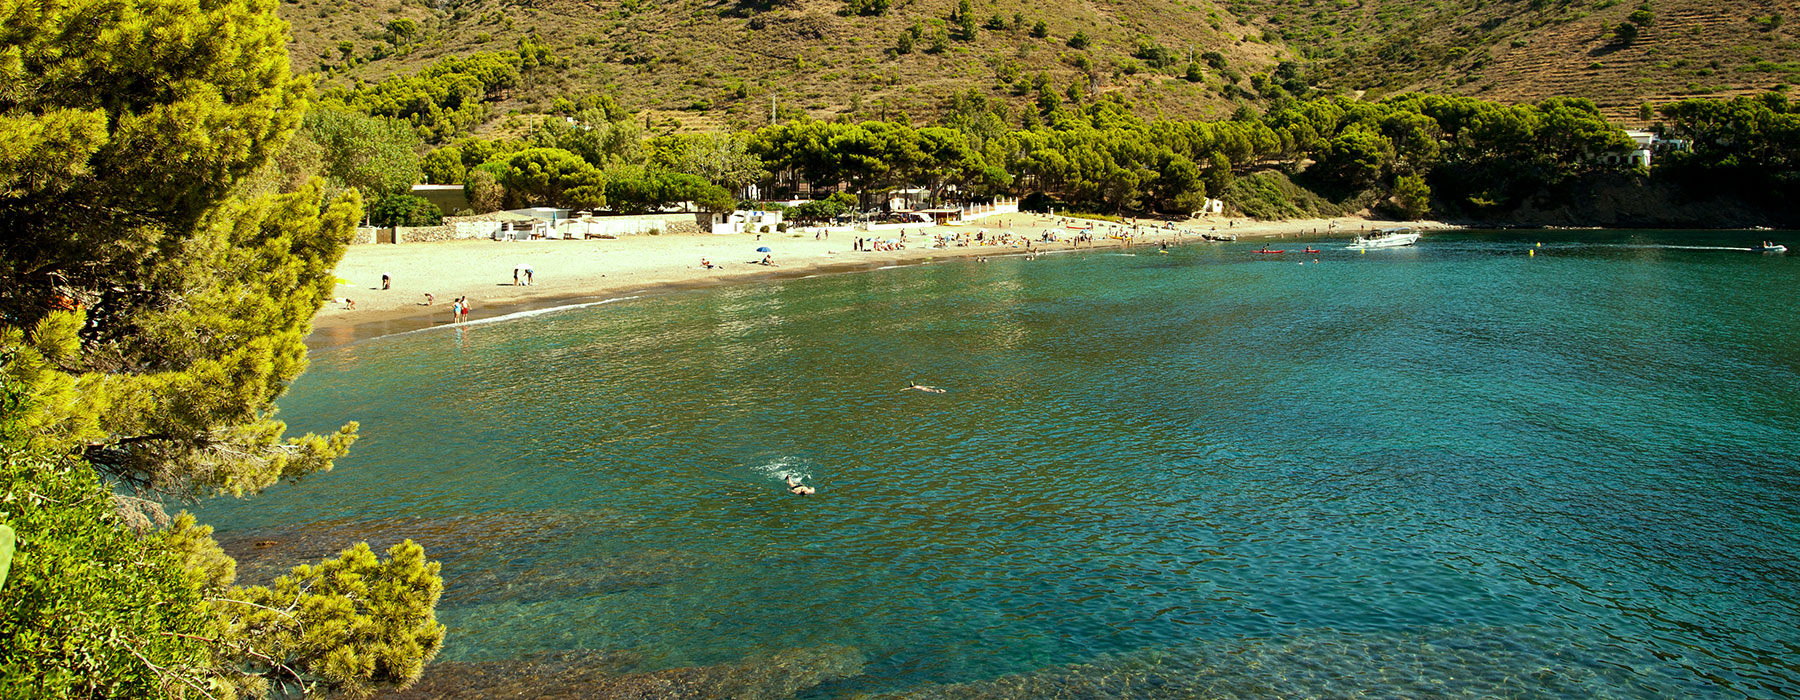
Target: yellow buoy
1540 244
1531 253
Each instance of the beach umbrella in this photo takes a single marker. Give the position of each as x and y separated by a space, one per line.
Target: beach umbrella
764 249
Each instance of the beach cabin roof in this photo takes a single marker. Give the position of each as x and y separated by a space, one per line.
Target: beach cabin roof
546 213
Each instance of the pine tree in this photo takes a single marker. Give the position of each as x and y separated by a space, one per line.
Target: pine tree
155 292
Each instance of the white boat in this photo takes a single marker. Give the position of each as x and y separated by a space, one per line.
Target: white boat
1386 238
1768 247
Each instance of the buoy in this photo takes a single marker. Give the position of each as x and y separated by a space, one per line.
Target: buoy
1531 253
1540 244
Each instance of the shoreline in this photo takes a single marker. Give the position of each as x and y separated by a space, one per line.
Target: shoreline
576 272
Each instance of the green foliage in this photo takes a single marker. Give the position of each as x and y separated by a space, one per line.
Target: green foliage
1040 30
1625 33
549 177
1271 195
964 21
1154 54
1741 137
722 158
866 8
819 210
1412 197
355 622
443 166
637 189
448 97
404 210
101 161
1080 41
597 137
375 155
155 307
1642 17
90 608
484 191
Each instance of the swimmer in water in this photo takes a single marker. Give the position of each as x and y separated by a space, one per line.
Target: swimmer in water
922 387
795 487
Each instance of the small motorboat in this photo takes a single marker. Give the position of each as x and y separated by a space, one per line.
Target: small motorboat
1386 238
1768 247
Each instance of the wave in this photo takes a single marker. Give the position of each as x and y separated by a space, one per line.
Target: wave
780 468
516 315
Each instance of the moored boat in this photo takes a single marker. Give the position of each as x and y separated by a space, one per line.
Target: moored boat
1386 238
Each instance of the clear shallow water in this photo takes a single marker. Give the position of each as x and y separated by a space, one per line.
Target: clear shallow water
1453 470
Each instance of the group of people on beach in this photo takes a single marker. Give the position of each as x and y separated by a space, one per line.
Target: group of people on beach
879 245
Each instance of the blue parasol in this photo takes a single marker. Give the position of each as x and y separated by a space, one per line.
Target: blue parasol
764 249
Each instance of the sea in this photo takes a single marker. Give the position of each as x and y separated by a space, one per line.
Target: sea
1497 464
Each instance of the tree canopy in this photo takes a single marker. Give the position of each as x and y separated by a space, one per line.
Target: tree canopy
158 287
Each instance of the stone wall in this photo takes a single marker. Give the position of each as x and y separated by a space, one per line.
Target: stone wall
422 234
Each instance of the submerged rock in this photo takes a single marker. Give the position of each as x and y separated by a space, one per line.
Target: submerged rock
602 675
1471 662
461 543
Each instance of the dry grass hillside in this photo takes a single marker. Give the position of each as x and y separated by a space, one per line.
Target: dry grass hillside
1527 50
702 64
710 63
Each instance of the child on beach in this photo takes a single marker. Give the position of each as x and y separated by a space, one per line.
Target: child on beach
349 304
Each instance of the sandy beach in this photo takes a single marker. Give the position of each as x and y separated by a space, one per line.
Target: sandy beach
569 271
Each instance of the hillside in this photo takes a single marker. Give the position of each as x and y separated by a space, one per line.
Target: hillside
1529 50
723 63
706 62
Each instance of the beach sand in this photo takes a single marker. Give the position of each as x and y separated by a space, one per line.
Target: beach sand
572 271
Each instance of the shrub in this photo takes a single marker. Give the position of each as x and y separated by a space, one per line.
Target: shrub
404 210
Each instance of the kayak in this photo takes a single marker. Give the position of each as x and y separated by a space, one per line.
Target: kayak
1271 252
1310 250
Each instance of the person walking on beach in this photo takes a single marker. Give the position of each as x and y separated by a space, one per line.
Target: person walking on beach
456 310
429 298
384 281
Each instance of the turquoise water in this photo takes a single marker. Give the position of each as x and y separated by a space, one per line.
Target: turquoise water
1454 470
